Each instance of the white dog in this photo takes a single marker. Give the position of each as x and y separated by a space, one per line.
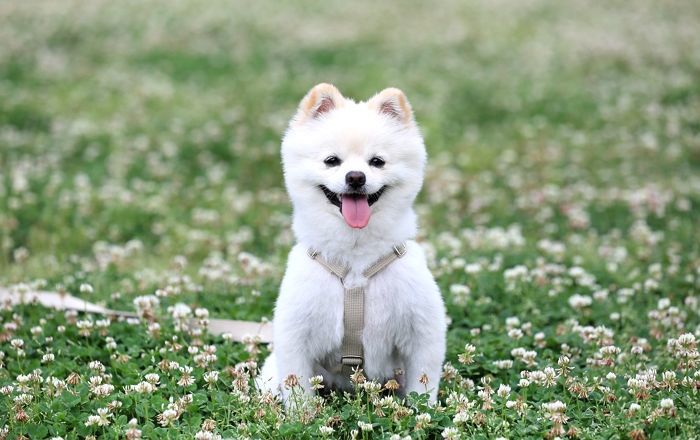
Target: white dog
353 171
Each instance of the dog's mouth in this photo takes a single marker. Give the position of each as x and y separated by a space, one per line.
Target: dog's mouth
354 206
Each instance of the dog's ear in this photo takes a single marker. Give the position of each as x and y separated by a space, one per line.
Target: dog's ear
321 99
393 103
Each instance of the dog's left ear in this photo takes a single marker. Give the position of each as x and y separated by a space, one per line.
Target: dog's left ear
321 99
393 103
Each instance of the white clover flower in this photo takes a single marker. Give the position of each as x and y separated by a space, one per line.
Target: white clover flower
550 376
512 322
6 390
145 387
458 262
96 366
103 390
423 418
609 351
211 377
526 356
101 419
186 378
515 333
600 295
23 399
152 378
167 417
326 430
468 356
86 288
316 382
651 284
146 304
686 339
180 311
450 433
554 407
85 326
371 386
472 268
503 364
503 391
666 403
577 301
460 417
460 293
364 426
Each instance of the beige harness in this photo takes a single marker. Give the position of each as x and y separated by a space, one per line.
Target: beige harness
352 354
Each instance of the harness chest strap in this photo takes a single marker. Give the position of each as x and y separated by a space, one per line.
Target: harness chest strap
352 353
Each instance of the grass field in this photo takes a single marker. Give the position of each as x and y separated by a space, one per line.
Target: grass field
139 168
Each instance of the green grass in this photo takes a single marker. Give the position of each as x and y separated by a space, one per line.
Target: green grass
139 151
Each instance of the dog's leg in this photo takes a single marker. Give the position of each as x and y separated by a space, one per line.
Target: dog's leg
267 380
423 364
294 368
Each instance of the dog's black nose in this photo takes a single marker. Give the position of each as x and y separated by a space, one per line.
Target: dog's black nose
355 179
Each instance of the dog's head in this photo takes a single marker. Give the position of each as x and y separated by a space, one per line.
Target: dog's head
357 163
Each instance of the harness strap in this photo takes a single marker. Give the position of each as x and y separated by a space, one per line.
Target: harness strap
335 269
379 265
352 353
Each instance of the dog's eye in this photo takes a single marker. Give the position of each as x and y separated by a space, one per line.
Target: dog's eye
332 161
377 162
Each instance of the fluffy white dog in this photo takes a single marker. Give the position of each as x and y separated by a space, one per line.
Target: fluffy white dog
353 171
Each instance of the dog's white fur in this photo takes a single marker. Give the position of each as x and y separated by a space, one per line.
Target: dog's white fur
404 320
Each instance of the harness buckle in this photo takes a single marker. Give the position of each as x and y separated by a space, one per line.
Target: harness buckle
351 360
400 250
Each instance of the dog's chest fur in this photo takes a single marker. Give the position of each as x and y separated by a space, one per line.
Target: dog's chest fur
312 303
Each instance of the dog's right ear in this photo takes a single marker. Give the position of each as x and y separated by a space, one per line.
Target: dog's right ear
392 102
321 99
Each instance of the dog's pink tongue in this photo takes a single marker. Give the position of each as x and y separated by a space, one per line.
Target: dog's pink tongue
355 211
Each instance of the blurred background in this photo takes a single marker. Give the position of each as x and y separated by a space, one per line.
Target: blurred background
140 136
